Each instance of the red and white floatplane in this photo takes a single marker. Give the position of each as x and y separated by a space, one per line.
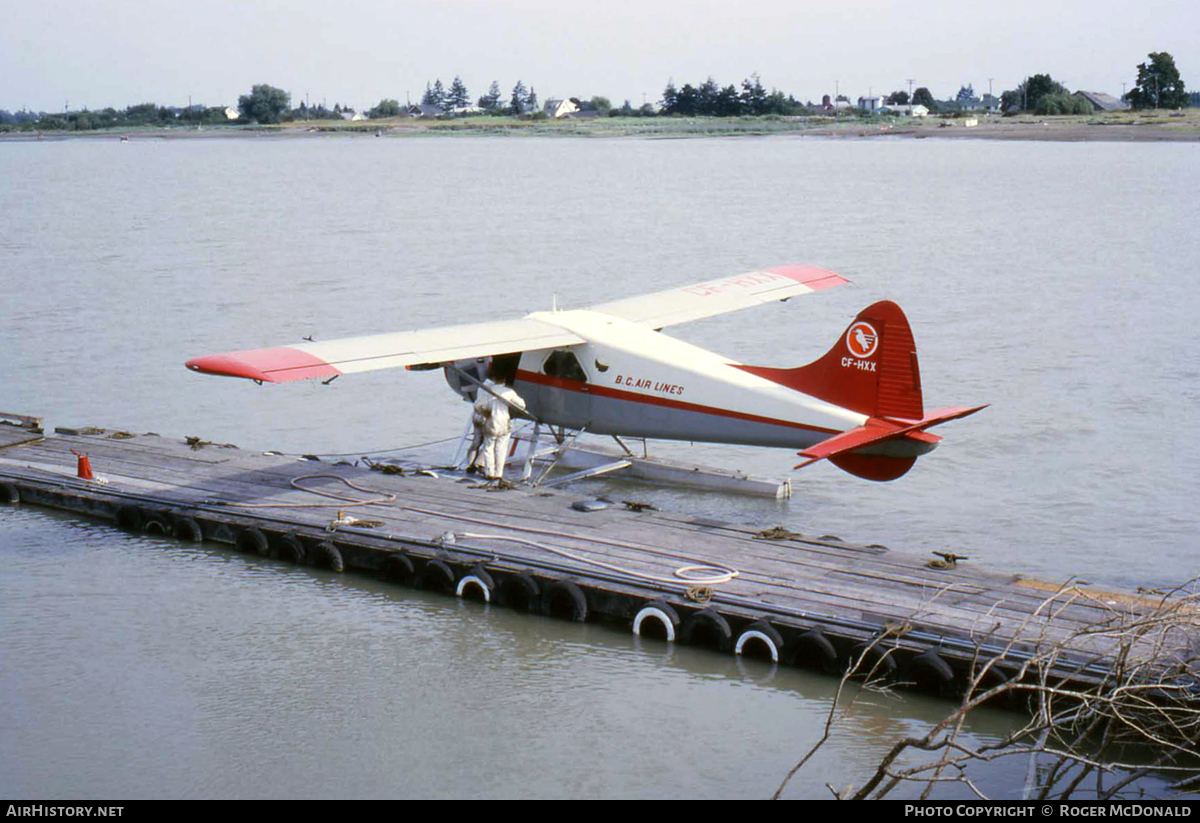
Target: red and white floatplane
610 370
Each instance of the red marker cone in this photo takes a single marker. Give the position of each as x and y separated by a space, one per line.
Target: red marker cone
85 466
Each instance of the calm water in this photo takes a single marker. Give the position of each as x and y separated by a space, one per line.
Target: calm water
1056 282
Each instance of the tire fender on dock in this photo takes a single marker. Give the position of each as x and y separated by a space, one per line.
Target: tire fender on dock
707 627
518 591
990 679
564 598
397 569
477 579
129 518
327 556
186 528
9 493
760 632
289 547
814 650
659 612
436 575
929 671
251 540
159 523
876 661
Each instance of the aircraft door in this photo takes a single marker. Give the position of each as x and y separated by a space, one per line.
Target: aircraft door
557 388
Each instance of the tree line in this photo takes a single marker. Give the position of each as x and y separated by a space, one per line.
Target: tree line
142 114
710 99
1158 85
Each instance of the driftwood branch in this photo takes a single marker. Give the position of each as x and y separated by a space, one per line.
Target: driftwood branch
1125 684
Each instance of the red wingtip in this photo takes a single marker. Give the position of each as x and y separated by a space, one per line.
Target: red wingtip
277 365
226 366
814 277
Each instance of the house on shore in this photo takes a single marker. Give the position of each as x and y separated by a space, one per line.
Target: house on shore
556 108
1102 102
906 110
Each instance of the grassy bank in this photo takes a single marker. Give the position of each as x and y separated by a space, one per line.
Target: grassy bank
1144 126
1127 126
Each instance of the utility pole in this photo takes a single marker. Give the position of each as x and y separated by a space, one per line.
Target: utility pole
910 82
990 79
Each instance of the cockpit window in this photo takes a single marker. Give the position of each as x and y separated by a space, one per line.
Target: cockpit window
564 364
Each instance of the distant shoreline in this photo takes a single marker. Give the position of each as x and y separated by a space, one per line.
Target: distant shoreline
1122 127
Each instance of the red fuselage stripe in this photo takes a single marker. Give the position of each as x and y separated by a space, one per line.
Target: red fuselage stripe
620 394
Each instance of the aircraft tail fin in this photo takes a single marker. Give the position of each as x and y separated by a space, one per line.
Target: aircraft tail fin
871 369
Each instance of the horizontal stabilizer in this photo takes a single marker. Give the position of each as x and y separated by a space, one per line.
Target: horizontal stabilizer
841 448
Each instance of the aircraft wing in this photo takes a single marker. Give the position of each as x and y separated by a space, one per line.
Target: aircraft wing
331 358
679 305
348 355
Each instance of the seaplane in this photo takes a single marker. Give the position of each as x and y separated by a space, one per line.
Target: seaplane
610 370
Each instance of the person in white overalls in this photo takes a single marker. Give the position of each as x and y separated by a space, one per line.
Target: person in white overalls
497 426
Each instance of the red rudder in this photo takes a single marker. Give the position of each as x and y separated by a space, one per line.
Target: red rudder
871 369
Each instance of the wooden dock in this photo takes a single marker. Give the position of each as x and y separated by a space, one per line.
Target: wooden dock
807 600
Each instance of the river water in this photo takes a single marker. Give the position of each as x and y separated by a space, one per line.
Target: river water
1056 282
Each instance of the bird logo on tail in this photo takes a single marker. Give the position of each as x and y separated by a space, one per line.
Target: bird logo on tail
862 339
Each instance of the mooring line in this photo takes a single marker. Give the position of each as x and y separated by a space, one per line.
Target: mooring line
343 502
682 574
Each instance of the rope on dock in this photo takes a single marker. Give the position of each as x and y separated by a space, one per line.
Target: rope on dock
342 500
361 452
719 574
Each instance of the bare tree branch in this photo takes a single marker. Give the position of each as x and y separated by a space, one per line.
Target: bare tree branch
1126 681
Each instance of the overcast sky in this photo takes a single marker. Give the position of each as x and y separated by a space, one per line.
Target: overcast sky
99 53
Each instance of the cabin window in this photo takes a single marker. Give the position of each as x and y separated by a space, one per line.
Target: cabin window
564 364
